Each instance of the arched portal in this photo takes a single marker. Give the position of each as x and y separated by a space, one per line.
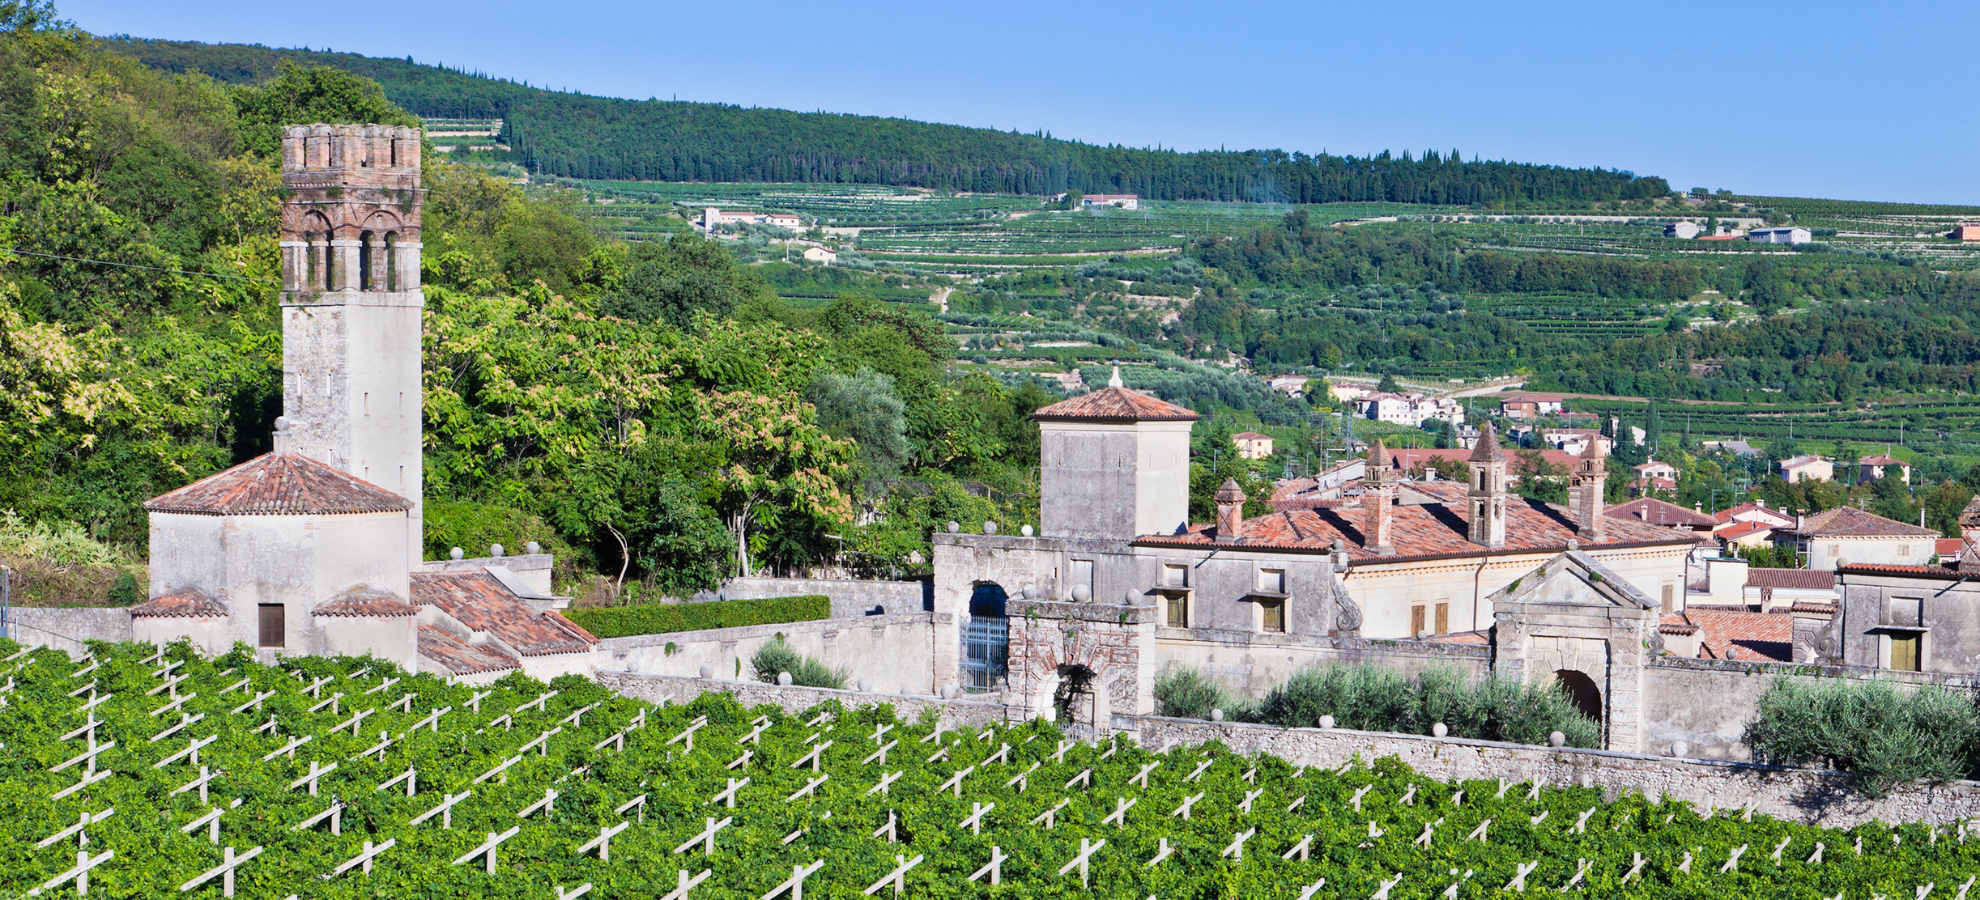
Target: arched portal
986 639
1073 698
1580 690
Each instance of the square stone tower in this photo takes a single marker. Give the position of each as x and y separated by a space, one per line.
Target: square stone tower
351 303
1114 466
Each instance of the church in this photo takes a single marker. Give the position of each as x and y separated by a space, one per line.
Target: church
316 547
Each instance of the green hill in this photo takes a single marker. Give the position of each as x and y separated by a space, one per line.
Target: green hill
581 136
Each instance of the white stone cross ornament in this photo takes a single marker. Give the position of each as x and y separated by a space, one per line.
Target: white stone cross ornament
1060 756
410 776
1580 872
87 780
200 784
288 748
1086 849
880 754
499 768
640 802
1162 852
88 756
880 731
1142 776
371 851
474 702
84 820
1183 810
1780 847
1236 849
1581 822
335 814
1363 792
316 771
1382 893
576 719
729 794
939 755
1423 840
487 848
811 785
739 762
813 757
795 884
1051 816
445 810
887 829
898 877
1003 754
335 697
995 867
975 821
1249 796
79 874
1816 857
706 838
1478 834
251 704
1306 893
548 804
1023 779
1119 815
687 735
1635 868
573 893
1198 771
225 871
1085 775
542 741
754 735
955 781
1300 849
1732 861
885 780
545 698
212 822
1519 881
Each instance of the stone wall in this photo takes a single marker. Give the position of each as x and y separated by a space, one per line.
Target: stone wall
850 599
66 629
1707 703
1112 644
1253 663
972 713
1801 795
887 653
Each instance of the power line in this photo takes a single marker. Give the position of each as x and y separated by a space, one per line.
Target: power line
105 262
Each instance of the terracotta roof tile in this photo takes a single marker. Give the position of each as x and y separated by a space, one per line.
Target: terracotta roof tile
1815 606
1116 404
1792 579
1947 546
1675 624
1882 460
1766 636
1727 515
460 657
1947 572
1848 521
184 603
1487 448
1251 436
1432 529
1743 529
1653 511
365 602
279 484
481 603
1479 638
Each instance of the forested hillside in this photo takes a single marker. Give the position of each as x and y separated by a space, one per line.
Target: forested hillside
574 135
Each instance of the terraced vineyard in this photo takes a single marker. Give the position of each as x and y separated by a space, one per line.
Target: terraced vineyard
180 776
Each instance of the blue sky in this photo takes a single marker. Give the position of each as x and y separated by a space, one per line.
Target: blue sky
1849 100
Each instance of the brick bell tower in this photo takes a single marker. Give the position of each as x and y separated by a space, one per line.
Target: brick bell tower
351 303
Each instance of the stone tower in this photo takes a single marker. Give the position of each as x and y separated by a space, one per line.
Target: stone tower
1380 484
1588 482
1114 465
351 303
1488 490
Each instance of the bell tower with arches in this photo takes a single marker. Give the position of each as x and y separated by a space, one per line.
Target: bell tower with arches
351 303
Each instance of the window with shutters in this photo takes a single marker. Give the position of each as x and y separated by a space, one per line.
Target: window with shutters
1443 618
1670 598
273 624
1415 621
1904 652
1177 610
1272 616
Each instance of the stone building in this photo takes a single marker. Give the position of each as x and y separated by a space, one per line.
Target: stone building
316 547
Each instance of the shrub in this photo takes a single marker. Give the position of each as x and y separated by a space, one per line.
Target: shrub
1372 698
777 656
473 527
625 621
1186 693
126 591
1871 730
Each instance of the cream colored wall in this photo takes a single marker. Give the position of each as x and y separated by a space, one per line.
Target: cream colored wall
393 639
211 635
1826 553
892 654
1387 591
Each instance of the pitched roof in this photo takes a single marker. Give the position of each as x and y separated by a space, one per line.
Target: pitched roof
1943 572
1487 449
1792 579
480 602
1117 404
1432 529
1881 460
1970 516
1948 546
1763 636
1742 530
1848 521
279 484
461 657
361 601
1796 462
184 603
1251 436
1726 515
1658 512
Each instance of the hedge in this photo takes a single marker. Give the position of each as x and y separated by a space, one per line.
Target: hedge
626 621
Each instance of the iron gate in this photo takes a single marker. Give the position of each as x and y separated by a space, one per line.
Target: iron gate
986 640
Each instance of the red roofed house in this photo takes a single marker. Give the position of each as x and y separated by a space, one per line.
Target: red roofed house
1756 512
1654 475
313 548
1850 535
1870 469
1252 445
1529 406
1807 468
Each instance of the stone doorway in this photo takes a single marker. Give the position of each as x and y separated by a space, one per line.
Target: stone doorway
1074 695
1582 691
986 639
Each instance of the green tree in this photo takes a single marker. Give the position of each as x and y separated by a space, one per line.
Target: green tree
1388 384
864 409
301 95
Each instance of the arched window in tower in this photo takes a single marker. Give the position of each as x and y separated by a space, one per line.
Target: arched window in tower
364 261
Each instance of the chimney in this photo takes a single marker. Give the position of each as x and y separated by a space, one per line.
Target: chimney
1590 477
1381 484
1230 511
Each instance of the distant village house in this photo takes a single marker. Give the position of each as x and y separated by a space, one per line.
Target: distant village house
1252 445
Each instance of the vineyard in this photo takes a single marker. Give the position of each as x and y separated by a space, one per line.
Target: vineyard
153 773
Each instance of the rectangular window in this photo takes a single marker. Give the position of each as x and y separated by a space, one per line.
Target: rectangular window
1443 618
1904 551
273 624
1272 581
1415 621
1670 598
1272 616
1175 576
1904 652
1178 611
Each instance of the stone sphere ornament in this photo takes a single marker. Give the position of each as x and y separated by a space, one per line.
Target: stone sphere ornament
1082 594
989 528
1440 730
1680 749
1557 739
707 672
495 550
533 548
456 553
784 678
1216 715
1024 530
1326 721
955 527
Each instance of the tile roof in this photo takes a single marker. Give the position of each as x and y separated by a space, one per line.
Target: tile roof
460 657
1727 515
1676 624
1791 579
1430 529
1487 449
1947 546
1815 606
1479 638
1658 512
1115 404
279 484
184 603
1766 636
1742 530
1848 521
361 601
1944 572
1882 460
1251 436
480 602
